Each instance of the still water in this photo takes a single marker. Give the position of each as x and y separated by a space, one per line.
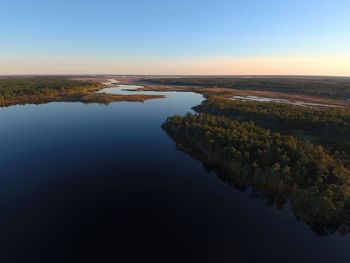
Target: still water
97 183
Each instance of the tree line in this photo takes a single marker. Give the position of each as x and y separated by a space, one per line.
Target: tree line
28 86
327 126
283 166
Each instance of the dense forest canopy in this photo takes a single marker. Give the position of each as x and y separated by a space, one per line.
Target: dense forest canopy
321 120
327 126
281 166
330 87
284 153
22 86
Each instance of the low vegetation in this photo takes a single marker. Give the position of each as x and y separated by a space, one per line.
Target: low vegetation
320 86
36 90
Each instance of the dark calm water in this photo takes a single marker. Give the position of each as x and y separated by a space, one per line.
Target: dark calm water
97 183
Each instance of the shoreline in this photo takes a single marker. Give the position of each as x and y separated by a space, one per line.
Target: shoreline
272 96
75 94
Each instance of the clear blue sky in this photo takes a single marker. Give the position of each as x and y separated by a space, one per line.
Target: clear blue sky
145 35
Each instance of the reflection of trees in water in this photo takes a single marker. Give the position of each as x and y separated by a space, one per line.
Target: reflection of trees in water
307 205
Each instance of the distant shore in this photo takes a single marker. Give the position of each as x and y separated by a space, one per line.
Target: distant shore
39 90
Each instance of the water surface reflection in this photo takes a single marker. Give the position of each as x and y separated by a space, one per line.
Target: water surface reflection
96 183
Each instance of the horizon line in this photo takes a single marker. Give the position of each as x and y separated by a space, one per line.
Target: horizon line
176 75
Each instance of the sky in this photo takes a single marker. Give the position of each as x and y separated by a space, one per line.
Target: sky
233 37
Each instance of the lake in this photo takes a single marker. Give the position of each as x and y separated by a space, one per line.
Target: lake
102 183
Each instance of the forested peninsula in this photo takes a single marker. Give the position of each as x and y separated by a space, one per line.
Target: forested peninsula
283 153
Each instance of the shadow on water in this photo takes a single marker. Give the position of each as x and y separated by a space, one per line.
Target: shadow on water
266 189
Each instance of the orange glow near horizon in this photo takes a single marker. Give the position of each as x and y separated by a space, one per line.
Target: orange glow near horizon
326 65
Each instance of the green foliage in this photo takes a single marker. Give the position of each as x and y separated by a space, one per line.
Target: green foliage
329 127
329 121
29 86
243 143
36 90
316 183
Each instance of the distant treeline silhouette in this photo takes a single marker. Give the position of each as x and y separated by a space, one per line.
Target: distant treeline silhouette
322 86
43 89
